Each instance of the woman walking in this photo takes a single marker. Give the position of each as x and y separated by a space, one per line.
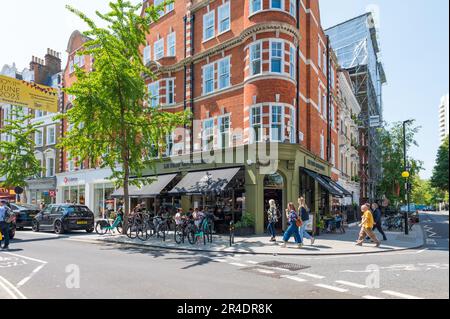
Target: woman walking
272 216
293 219
303 211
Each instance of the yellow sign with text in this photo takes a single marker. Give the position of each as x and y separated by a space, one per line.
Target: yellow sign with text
29 95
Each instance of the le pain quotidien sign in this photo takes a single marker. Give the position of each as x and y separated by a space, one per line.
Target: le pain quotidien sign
28 95
315 166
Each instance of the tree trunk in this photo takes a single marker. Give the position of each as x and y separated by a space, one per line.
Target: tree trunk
126 196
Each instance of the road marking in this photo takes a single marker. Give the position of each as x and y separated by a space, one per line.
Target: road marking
431 242
238 265
351 284
371 297
264 271
294 278
400 295
29 258
10 289
281 269
220 260
311 275
252 262
26 279
331 288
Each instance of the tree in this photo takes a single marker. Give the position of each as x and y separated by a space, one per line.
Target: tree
17 160
392 158
440 172
111 124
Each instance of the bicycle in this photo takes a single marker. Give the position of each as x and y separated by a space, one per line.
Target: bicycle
104 226
181 231
203 231
161 227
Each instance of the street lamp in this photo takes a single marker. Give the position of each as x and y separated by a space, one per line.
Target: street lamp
406 175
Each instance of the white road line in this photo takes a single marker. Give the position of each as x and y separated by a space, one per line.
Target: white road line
238 265
331 288
281 269
399 295
10 289
371 297
26 279
25 257
264 271
294 278
351 284
252 262
311 275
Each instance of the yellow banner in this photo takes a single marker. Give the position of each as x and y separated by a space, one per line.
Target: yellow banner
26 94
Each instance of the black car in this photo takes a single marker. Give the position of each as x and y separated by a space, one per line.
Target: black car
64 217
24 214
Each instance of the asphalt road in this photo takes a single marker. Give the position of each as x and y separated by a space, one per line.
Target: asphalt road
45 265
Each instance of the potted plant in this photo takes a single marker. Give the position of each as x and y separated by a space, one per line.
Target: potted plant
319 225
246 226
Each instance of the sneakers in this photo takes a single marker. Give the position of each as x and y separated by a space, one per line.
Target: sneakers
378 244
299 245
283 245
312 240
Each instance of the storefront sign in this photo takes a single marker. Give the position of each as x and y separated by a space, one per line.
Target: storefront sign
52 194
29 95
315 166
68 180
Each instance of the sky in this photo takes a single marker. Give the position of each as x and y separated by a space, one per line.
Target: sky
414 36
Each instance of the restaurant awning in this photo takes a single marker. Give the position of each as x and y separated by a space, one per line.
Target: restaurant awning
149 190
204 182
342 189
333 190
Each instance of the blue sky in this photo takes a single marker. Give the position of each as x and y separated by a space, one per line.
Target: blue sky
413 33
414 36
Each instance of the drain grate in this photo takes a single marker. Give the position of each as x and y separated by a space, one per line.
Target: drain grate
287 266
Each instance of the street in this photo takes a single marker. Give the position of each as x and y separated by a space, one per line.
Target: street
45 265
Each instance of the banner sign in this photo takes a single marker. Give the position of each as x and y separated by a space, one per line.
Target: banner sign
29 95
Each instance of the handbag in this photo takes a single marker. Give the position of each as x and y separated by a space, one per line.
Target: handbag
299 222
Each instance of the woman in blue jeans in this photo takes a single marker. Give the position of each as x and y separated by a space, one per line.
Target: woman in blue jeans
304 215
292 229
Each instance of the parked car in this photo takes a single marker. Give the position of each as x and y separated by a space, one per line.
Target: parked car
24 214
62 218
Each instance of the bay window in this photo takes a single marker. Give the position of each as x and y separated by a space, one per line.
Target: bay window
276 56
277 4
292 60
224 131
255 124
208 134
276 123
255 6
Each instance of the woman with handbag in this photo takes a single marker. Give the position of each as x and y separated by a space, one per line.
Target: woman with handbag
294 223
303 211
272 216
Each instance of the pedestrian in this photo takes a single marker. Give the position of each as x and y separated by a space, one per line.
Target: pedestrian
5 220
366 225
303 211
377 216
272 216
294 222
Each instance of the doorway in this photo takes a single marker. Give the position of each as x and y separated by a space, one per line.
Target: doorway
273 189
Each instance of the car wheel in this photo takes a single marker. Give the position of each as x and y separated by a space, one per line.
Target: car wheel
59 229
35 226
89 230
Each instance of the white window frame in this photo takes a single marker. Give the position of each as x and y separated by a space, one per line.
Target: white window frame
226 143
252 6
158 49
70 163
172 44
71 66
333 156
292 126
322 146
253 132
271 56
224 14
170 144
48 172
157 3
147 54
220 73
207 80
170 7
279 9
171 92
82 61
41 134
292 62
206 26
293 8
48 129
281 122
254 59
152 98
207 133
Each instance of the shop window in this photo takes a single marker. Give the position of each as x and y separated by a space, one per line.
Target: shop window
276 57
255 59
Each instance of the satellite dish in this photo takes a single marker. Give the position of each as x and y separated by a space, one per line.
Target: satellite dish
18 190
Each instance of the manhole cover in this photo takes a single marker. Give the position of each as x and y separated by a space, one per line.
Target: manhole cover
287 266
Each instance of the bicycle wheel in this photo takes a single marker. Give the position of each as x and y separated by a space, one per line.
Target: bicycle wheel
142 233
131 231
179 235
100 228
192 238
119 228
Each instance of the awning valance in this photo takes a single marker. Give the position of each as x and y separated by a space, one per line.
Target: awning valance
149 190
336 185
204 182
324 182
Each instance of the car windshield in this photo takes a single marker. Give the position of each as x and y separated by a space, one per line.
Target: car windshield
78 211
27 207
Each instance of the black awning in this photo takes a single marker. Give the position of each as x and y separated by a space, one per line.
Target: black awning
149 190
322 180
204 182
342 189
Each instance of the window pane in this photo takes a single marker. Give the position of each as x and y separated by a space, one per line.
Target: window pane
255 56
208 25
224 17
224 73
276 4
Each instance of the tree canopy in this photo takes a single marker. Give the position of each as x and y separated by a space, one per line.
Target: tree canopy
440 171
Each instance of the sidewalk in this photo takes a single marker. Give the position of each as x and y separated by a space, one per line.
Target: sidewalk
326 244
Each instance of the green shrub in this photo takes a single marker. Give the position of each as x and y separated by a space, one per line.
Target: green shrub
248 220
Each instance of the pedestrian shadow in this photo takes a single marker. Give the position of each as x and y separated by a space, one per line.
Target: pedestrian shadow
11 250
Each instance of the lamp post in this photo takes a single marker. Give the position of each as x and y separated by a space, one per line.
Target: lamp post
406 175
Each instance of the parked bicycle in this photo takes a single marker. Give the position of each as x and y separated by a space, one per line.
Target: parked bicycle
104 226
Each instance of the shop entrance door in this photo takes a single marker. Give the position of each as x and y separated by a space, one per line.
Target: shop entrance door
277 195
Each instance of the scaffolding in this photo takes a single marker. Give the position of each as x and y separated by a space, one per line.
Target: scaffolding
356 45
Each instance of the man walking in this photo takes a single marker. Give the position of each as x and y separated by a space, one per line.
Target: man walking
4 226
367 224
377 219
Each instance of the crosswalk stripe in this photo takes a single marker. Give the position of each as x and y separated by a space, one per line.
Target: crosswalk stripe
238 264
351 284
294 278
331 288
252 262
311 275
264 271
399 295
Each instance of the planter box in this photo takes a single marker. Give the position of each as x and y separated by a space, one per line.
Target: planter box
247 231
